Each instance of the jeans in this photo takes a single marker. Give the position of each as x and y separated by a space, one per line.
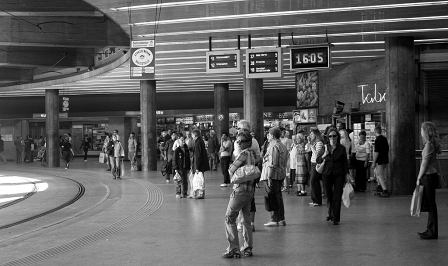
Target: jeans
276 188
131 155
182 186
108 161
429 183
116 166
316 192
213 160
334 185
240 199
225 163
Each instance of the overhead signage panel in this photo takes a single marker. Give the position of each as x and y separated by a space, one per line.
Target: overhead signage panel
223 62
310 57
142 64
264 63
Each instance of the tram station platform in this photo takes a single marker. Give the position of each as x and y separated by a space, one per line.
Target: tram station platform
81 216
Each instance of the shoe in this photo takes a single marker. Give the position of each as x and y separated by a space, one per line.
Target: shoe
231 254
118 177
300 193
384 195
329 218
425 236
190 197
108 169
247 253
239 227
114 177
284 189
178 196
224 185
335 223
167 180
282 222
311 203
85 160
271 224
66 168
316 204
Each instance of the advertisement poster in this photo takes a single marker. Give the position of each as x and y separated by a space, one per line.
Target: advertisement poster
312 115
307 85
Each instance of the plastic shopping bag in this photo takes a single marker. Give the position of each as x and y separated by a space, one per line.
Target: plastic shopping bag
198 185
416 202
348 195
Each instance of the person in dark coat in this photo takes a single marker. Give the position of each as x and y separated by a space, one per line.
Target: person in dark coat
85 146
200 157
181 166
334 174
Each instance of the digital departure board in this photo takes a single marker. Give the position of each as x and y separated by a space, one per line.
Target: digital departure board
310 57
223 62
264 63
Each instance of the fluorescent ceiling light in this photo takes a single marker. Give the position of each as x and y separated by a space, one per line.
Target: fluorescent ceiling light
175 4
286 13
298 26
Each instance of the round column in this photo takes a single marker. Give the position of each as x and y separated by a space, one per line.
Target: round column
148 124
53 155
253 106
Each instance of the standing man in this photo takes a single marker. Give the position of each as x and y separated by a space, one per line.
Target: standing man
212 149
200 159
380 161
18 147
169 155
132 149
107 140
2 150
274 171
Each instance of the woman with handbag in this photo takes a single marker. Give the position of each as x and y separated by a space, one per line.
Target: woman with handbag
335 173
362 151
181 166
428 177
316 147
240 200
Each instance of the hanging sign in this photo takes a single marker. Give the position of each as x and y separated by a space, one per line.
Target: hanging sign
223 62
310 57
264 63
142 65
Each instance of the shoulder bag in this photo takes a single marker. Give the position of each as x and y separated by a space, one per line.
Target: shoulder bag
246 172
320 166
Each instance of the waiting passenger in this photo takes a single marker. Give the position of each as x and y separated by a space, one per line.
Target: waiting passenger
85 146
181 166
117 154
66 151
380 162
362 153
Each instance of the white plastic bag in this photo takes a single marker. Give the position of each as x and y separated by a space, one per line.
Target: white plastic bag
198 181
348 195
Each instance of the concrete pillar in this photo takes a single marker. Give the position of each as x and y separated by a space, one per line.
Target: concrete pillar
253 106
52 128
221 123
25 129
148 124
400 113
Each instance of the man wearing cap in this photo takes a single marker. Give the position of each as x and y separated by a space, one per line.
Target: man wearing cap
2 150
274 172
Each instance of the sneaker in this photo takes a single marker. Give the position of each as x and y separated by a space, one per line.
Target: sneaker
224 185
284 189
177 196
66 168
231 254
282 222
384 194
316 204
247 253
85 160
167 180
271 224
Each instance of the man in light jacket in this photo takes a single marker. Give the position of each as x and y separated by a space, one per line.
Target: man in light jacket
274 172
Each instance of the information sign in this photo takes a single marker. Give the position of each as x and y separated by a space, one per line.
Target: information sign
223 62
264 63
310 57
142 64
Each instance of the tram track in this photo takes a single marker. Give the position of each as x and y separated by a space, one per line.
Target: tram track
26 196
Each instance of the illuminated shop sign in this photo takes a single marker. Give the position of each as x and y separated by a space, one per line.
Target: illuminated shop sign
277 115
184 120
223 62
369 96
310 57
204 118
61 115
264 63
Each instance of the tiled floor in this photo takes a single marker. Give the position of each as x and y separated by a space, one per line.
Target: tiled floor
138 221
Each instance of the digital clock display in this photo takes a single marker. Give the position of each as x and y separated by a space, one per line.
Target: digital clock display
310 57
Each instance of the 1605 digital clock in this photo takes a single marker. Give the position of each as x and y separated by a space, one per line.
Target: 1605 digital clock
311 57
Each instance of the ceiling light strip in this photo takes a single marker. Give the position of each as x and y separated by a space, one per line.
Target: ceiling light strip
174 4
325 24
287 13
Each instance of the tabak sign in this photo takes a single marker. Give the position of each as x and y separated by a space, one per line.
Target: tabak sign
142 64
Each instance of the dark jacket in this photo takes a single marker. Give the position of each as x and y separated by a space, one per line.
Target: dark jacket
336 163
181 160
200 157
213 144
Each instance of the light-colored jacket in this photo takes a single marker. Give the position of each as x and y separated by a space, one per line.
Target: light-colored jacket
118 149
132 144
274 161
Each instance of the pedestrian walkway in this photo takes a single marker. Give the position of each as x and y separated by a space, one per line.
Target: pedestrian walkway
139 221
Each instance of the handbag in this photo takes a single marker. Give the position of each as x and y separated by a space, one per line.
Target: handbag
442 180
416 202
270 202
177 177
320 166
246 172
102 158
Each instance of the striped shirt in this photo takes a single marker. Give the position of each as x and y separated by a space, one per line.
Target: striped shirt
317 149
